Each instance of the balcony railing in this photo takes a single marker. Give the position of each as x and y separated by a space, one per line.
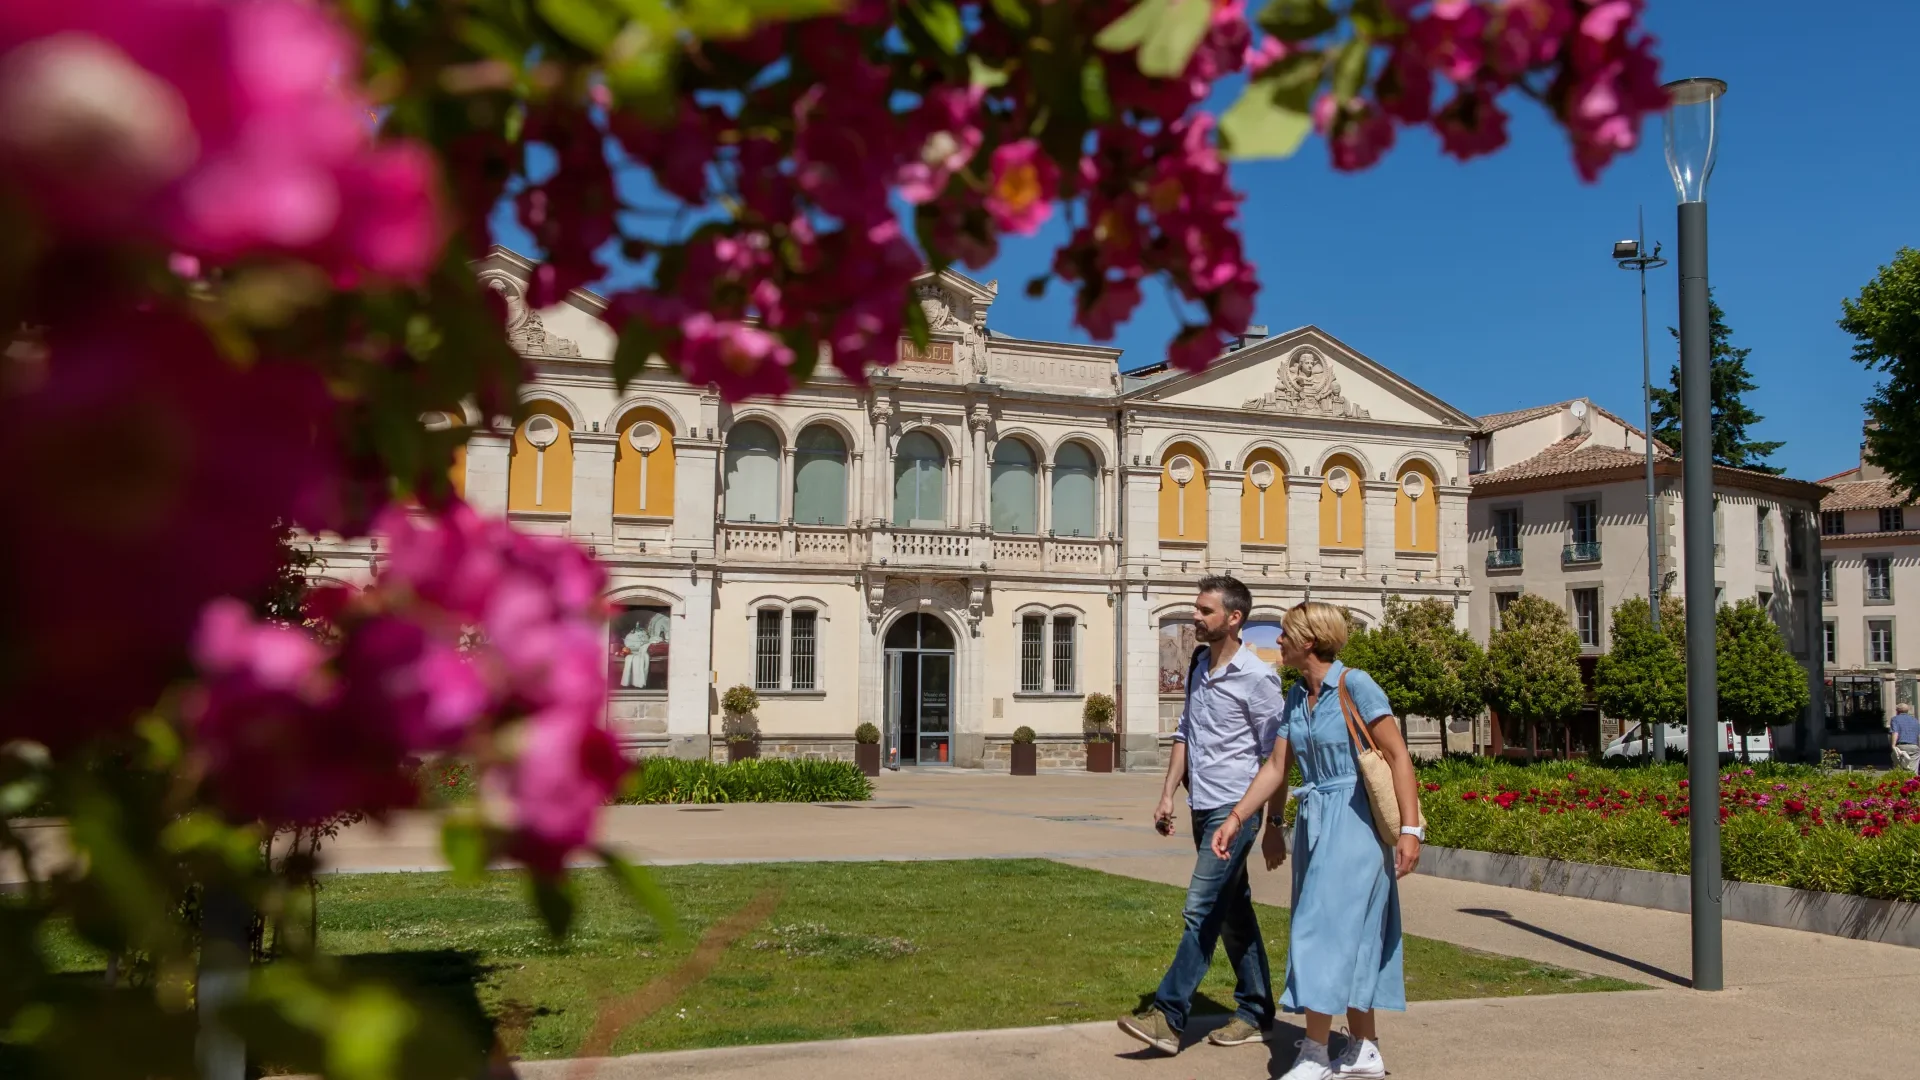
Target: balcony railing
1581 553
1503 558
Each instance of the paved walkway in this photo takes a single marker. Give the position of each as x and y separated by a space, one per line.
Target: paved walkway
1798 1005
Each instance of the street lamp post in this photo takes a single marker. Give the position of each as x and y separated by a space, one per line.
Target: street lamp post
1633 255
1692 117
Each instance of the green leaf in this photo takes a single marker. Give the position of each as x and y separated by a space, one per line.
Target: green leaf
1170 46
1093 91
916 323
553 897
1350 70
639 344
1013 13
1130 31
369 1032
463 840
941 20
1297 20
586 23
1037 286
982 74
639 885
1257 126
1295 80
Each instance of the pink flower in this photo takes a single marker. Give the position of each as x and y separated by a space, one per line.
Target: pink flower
1021 183
1472 124
1111 303
220 128
1405 88
1450 36
739 359
1527 33
677 153
947 126
1357 133
1270 51
1195 348
567 768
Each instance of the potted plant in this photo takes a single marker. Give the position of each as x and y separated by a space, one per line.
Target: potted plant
1096 719
1024 758
740 727
866 749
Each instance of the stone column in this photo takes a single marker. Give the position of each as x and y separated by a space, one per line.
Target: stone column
1303 526
977 421
690 668
1379 498
1140 486
881 456
1043 497
786 485
593 486
1453 532
487 454
1223 520
695 487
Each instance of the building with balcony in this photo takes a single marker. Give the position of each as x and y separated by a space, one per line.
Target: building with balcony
971 542
1559 508
1869 600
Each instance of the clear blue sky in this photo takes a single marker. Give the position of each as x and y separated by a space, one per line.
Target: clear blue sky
1490 283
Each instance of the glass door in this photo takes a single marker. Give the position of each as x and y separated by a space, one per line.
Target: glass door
936 708
890 752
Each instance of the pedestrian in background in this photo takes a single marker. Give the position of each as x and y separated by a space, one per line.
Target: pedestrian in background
1906 738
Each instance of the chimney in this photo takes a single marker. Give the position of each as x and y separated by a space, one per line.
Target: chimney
1256 332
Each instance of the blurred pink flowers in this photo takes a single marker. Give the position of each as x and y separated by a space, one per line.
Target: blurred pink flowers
1022 187
221 128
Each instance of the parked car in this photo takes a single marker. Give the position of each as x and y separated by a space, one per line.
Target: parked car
1636 741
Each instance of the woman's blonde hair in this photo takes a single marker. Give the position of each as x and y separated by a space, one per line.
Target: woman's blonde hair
1322 624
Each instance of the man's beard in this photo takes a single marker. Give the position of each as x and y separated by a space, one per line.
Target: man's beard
1200 633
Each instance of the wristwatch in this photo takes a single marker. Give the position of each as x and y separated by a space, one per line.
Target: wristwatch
1418 832
1276 821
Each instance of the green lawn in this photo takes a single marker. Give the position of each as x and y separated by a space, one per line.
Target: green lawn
851 949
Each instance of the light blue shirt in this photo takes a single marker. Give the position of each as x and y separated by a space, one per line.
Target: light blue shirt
1228 725
1906 728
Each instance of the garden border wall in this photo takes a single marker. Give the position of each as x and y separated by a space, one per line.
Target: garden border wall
1891 922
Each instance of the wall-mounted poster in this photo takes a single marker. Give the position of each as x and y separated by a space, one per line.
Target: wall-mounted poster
1176 652
1263 637
637 648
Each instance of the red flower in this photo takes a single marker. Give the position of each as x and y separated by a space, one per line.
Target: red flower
1505 799
1469 796
1683 783
1870 832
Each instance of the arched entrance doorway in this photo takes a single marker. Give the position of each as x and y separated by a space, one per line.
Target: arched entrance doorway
919 692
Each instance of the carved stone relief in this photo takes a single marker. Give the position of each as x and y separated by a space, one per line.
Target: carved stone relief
1306 384
526 331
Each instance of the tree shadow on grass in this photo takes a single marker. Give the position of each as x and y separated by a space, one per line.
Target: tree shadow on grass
447 982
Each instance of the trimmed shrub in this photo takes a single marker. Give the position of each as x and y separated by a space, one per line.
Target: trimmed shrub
765 780
1096 718
866 734
1023 734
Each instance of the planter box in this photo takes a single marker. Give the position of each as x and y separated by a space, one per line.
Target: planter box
1892 922
867 756
1100 757
741 751
1025 759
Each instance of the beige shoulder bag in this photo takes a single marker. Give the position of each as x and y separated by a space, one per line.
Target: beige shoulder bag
1375 773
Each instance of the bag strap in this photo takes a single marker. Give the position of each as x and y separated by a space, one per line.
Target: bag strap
1355 726
1193 668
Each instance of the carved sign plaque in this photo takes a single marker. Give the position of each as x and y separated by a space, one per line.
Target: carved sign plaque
938 352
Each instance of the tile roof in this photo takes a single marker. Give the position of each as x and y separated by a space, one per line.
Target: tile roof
1866 495
1565 458
1870 538
1496 421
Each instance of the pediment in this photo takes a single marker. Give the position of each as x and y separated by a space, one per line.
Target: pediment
1305 373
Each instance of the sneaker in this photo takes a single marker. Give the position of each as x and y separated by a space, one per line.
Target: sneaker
1150 1026
1235 1032
1312 1063
1360 1061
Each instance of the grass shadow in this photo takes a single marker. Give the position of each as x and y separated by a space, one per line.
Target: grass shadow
448 981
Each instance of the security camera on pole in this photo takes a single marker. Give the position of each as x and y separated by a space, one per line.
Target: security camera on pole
1692 120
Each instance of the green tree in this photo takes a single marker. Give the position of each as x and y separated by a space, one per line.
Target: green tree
1643 676
1534 664
1885 323
1425 664
1731 416
1761 684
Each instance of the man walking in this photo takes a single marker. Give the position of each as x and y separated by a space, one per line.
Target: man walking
1906 737
1231 716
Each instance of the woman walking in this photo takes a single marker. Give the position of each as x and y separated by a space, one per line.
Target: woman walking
1343 951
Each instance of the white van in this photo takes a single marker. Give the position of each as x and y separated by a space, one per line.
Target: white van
1636 741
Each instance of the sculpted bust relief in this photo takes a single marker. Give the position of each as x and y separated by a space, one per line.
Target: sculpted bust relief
526 331
1305 384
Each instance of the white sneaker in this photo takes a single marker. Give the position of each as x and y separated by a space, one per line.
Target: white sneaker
1312 1063
1360 1061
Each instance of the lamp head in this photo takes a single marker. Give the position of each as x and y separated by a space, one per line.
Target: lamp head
1626 249
1692 128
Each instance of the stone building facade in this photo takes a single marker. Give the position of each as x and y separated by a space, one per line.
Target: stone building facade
1869 600
974 541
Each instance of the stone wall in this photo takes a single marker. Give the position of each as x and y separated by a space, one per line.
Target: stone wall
804 747
1057 752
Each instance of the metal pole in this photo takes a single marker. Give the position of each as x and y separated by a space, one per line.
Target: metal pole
1703 727
1653 534
225 955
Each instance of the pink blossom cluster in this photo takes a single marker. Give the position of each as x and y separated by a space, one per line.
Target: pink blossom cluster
217 128
1590 60
813 166
475 638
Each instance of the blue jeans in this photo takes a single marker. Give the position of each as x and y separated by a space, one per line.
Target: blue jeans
1219 909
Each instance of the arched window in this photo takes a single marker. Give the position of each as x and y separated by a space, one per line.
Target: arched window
753 473
1263 499
1183 493
1016 487
643 465
1342 504
919 482
820 477
1416 510
1076 492
919 631
540 465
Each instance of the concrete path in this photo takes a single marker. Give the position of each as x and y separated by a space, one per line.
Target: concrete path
1798 1005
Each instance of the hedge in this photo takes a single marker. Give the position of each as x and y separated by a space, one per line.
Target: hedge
670 780
1792 825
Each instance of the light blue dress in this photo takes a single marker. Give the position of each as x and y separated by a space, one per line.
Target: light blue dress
1343 947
